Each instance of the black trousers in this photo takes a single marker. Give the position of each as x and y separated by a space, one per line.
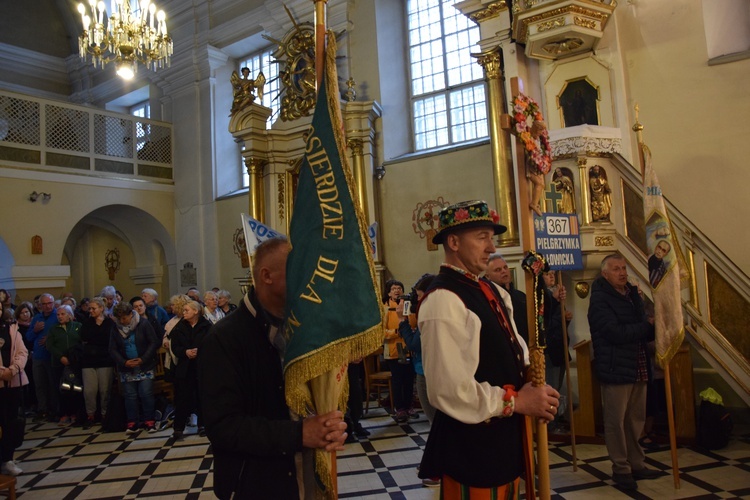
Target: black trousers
10 401
354 406
186 401
403 384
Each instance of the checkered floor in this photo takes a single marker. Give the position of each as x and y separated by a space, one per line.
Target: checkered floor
66 463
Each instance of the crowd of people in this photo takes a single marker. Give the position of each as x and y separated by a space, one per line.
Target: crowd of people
462 338
61 359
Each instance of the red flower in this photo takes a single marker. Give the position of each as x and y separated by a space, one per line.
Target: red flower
495 217
461 214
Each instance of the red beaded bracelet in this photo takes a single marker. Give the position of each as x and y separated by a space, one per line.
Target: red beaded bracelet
509 403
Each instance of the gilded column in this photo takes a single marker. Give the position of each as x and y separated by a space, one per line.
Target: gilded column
358 171
502 158
583 175
255 193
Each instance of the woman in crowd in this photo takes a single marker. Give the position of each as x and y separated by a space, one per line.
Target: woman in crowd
133 345
13 357
211 311
61 343
225 303
177 303
23 315
5 302
395 355
97 364
82 311
186 338
409 330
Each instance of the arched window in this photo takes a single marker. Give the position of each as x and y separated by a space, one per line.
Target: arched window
447 84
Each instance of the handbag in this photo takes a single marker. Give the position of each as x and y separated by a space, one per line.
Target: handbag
70 380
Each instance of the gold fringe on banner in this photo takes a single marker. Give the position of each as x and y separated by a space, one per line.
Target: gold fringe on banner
331 360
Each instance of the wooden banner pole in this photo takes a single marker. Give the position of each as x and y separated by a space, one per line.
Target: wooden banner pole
567 378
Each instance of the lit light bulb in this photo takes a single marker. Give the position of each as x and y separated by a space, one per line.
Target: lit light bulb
125 70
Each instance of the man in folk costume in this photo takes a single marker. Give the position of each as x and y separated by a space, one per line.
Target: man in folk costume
474 363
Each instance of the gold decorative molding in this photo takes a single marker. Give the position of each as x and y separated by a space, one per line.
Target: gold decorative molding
255 165
585 23
523 31
492 10
604 241
563 46
291 179
490 62
280 184
296 55
548 25
356 145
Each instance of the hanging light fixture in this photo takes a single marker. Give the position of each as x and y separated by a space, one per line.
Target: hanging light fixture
131 34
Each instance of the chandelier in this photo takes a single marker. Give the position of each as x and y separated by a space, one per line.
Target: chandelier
130 35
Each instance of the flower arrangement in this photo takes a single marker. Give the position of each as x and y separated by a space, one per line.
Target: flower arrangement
529 125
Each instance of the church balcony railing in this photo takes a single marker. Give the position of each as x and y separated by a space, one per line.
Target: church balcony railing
42 134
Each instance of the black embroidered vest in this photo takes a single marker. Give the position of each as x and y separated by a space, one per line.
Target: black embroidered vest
489 453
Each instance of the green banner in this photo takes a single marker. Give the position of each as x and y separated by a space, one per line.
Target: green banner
333 314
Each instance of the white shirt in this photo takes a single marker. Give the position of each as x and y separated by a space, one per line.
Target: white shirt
450 356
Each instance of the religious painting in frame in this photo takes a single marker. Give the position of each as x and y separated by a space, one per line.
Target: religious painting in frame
578 102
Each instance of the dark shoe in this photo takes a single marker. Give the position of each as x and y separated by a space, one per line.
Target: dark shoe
625 481
132 428
350 438
202 431
178 436
412 413
402 416
361 431
646 473
648 442
89 422
150 426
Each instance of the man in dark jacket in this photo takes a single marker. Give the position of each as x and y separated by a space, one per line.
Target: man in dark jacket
499 273
241 386
620 331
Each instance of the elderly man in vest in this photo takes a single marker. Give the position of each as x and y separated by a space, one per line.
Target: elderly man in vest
474 363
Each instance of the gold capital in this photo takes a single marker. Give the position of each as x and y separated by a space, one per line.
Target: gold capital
491 62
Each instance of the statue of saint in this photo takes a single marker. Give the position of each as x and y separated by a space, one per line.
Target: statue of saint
245 88
564 185
601 194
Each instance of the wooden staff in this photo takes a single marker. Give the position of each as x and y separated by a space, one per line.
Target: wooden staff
638 129
320 38
567 378
536 353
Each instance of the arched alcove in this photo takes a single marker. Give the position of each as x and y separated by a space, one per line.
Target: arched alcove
145 251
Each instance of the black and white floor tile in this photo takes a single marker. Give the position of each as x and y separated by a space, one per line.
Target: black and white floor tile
72 463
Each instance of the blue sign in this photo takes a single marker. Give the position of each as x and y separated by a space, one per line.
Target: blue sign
558 238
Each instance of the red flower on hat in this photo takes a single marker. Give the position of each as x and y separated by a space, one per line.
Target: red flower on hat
461 214
494 216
